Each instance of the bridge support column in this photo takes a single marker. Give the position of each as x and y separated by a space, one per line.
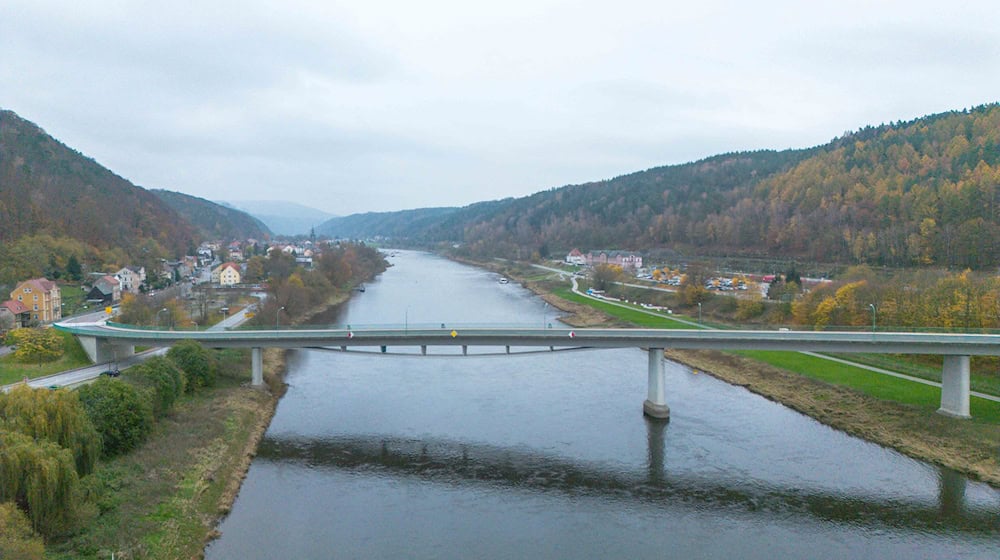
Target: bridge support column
101 350
655 405
257 367
955 387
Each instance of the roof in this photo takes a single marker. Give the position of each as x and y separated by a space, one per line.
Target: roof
14 306
40 284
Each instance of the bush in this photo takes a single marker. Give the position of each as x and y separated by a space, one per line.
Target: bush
162 378
233 363
18 540
122 415
196 362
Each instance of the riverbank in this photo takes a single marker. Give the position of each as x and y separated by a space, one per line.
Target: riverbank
164 500
966 446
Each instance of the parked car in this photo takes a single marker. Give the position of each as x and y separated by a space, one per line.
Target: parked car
111 372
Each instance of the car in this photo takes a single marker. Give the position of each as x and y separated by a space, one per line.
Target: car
111 372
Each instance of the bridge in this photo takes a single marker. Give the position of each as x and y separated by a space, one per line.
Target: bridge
105 341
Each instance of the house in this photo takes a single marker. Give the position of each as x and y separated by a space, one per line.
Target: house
130 278
226 274
106 290
41 297
576 257
13 315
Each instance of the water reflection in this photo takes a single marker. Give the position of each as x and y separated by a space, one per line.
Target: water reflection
461 463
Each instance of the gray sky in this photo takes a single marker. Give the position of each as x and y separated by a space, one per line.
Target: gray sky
384 105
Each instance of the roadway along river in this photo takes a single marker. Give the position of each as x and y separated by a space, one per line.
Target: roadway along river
549 456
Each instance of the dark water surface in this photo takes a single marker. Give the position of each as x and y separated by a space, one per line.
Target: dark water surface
549 456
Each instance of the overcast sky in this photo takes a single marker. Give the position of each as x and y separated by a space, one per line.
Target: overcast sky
383 105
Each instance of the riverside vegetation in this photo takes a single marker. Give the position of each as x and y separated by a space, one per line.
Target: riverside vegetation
144 465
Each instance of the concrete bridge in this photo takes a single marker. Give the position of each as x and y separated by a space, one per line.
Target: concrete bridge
108 341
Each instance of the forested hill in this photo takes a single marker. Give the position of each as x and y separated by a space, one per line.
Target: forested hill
48 188
907 193
214 221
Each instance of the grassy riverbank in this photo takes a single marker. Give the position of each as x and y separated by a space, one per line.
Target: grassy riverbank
892 412
163 500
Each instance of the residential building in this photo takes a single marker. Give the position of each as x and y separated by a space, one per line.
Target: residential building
106 290
576 257
226 274
130 278
41 297
13 315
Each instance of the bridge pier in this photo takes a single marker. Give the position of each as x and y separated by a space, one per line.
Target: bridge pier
655 405
257 366
955 387
102 350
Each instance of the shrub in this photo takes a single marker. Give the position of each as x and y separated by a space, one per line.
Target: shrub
17 539
233 363
122 415
162 378
196 362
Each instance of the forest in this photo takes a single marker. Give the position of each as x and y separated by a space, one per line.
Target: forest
918 193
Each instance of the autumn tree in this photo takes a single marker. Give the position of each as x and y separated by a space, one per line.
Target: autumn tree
36 345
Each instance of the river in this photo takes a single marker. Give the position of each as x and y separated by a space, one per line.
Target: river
549 456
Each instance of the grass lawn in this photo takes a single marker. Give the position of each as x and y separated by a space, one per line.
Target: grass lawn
73 357
634 316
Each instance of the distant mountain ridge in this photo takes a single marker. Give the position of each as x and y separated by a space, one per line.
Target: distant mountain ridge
282 217
214 221
922 192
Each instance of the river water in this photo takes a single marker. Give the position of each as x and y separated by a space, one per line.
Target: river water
549 456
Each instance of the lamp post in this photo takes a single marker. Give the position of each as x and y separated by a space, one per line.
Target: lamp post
158 315
699 312
545 309
874 309
277 314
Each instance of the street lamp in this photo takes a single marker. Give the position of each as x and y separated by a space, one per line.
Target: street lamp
874 309
545 309
276 315
158 315
699 312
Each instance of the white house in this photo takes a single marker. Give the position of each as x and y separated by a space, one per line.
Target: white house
576 257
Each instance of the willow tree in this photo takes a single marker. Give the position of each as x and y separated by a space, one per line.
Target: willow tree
40 477
55 416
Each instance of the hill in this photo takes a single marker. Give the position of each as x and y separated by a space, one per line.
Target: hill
922 192
282 217
48 188
214 221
